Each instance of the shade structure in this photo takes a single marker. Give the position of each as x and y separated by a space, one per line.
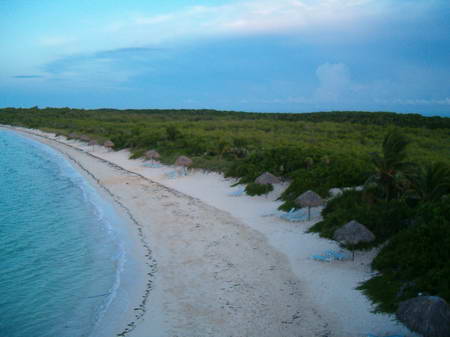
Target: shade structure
309 199
267 178
85 138
353 233
427 315
72 135
108 144
183 161
152 154
92 142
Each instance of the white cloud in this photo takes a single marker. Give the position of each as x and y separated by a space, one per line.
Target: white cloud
248 17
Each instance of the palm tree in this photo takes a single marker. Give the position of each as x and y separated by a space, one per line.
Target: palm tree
432 182
392 171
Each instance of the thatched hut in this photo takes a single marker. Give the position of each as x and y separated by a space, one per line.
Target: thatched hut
108 144
427 315
267 178
152 154
309 199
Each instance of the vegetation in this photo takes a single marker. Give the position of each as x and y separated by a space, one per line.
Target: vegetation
258 189
405 200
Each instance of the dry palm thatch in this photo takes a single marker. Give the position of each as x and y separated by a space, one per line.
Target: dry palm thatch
267 178
183 161
85 138
92 142
353 233
109 144
309 199
427 315
152 154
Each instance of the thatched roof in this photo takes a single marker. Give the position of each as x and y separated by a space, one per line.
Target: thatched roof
72 135
152 154
309 199
92 142
267 178
183 161
353 233
108 143
85 138
427 315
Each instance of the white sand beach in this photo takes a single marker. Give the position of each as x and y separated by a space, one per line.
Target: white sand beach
213 265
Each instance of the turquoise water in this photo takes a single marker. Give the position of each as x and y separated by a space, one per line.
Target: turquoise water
60 256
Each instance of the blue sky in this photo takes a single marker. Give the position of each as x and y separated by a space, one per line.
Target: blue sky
253 55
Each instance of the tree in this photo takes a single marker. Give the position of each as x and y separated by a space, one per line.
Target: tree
432 182
392 171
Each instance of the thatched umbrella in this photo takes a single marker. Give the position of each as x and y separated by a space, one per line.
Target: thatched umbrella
152 154
267 178
72 135
353 233
183 161
92 143
85 138
309 199
109 144
427 315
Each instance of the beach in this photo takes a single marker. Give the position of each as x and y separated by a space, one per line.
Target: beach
214 265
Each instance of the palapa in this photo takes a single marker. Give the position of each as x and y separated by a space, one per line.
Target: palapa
152 154
353 233
427 315
92 142
108 144
183 161
85 138
309 199
267 178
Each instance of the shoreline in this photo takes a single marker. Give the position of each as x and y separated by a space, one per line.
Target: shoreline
321 303
141 248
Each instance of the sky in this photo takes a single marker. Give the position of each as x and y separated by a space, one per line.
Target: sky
246 55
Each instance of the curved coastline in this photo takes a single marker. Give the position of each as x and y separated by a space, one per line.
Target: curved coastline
260 288
139 301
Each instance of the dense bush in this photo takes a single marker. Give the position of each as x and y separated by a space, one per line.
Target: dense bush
258 189
321 177
383 218
414 261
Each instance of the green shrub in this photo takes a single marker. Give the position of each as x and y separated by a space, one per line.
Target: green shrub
258 189
416 260
384 219
340 172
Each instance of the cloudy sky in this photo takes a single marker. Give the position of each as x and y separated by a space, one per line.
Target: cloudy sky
252 55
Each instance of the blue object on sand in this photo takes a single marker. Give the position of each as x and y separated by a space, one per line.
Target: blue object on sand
237 193
321 258
335 255
171 174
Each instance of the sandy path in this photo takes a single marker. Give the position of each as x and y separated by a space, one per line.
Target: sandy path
215 275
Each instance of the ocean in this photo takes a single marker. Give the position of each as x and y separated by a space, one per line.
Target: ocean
62 255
